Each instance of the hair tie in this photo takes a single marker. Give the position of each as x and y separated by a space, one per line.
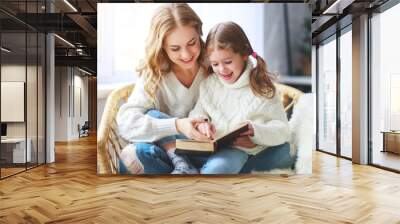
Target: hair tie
253 59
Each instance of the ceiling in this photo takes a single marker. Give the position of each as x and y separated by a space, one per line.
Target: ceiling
74 21
332 15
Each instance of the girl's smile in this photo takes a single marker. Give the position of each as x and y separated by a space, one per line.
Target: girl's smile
227 64
227 77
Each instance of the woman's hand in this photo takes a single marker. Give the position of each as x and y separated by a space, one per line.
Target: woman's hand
208 129
186 126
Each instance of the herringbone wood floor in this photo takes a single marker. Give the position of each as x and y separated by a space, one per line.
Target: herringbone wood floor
69 191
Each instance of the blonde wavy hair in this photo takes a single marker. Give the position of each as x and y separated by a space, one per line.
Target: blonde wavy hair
156 62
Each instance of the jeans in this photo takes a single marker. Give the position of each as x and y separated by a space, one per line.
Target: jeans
274 157
225 161
154 159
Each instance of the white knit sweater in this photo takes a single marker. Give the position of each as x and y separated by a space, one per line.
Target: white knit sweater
172 98
227 105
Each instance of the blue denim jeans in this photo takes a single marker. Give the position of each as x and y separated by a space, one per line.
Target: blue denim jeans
274 157
226 161
154 159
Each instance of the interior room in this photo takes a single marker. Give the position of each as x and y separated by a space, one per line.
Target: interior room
53 102
333 53
385 88
22 100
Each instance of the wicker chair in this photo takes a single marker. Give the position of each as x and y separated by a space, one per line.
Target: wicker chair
109 145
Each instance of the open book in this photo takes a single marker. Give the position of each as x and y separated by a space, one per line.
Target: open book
188 146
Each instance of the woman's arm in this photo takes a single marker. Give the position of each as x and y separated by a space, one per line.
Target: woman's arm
135 126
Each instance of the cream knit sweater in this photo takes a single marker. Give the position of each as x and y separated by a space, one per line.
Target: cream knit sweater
172 98
227 105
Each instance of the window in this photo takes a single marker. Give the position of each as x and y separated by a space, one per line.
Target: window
22 65
327 96
346 93
385 84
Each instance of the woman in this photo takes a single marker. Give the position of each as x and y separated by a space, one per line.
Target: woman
170 76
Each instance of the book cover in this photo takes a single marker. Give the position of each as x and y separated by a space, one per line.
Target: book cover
190 146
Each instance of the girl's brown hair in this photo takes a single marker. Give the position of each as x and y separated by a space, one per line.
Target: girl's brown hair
156 62
229 35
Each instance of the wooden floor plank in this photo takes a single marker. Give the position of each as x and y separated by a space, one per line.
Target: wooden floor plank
69 191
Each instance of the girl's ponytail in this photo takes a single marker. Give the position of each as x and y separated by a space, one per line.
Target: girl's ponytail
260 79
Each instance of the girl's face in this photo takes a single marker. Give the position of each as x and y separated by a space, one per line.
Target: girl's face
227 64
182 46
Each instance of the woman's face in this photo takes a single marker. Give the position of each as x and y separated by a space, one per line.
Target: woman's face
182 46
227 64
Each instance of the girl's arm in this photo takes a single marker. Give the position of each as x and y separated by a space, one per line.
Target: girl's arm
135 126
274 128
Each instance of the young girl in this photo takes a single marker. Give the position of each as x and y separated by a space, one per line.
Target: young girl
240 90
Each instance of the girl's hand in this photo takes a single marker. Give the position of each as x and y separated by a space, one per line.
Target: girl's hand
244 141
186 126
249 132
208 129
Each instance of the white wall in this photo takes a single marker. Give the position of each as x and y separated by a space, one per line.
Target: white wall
68 83
248 16
82 83
79 117
33 126
61 103
12 73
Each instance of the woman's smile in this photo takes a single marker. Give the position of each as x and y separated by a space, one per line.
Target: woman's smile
182 46
187 61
